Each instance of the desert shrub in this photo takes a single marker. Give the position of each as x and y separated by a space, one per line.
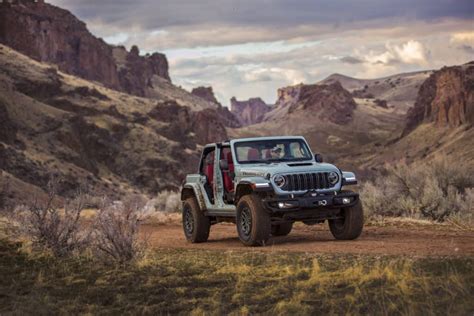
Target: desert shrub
116 229
50 228
435 190
166 201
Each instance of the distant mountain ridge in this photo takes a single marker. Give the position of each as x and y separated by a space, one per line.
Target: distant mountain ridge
399 90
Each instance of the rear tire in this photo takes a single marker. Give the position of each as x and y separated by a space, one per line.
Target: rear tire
253 222
350 226
196 226
282 229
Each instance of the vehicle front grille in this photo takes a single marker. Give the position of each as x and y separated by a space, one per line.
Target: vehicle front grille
306 181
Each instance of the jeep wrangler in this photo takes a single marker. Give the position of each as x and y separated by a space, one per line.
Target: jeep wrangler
264 185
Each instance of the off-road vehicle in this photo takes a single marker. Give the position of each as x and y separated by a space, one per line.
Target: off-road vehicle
264 185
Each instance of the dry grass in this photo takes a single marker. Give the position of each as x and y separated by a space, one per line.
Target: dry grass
211 282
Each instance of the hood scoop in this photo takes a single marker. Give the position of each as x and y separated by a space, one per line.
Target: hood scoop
300 164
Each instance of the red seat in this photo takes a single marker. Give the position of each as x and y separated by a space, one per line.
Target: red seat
253 154
228 184
209 173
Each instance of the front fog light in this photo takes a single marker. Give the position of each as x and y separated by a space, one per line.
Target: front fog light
286 205
346 200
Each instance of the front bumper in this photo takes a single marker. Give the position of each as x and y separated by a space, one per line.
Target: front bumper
310 201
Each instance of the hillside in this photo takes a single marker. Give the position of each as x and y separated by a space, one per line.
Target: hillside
362 133
55 123
399 91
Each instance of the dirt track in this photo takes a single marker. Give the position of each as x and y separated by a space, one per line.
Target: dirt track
413 241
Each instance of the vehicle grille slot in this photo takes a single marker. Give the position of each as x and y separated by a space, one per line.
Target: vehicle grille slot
306 181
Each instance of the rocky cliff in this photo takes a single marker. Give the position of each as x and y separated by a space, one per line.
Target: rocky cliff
50 34
445 98
206 93
251 111
328 102
226 117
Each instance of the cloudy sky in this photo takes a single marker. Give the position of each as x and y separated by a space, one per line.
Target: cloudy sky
250 48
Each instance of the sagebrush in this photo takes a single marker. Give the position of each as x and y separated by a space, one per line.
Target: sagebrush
52 228
435 190
116 229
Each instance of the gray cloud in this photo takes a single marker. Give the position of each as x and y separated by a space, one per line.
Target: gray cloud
250 48
351 60
151 14
250 20
467 48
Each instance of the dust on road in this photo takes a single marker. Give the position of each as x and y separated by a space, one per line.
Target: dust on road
413 241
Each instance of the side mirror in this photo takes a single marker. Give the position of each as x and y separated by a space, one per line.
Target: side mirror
318 158
223 164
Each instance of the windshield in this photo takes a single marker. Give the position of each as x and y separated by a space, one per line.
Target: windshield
272 150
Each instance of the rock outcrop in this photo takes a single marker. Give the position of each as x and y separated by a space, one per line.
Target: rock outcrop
50 34
135 72
206 93
330 102
251 111
226 118
288 96
445 98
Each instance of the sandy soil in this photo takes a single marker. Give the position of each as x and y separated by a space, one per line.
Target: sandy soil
413 241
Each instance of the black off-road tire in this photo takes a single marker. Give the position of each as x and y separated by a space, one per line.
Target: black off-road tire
349 227
282 229
253 221
196 226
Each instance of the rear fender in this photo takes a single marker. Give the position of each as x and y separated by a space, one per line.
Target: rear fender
193 190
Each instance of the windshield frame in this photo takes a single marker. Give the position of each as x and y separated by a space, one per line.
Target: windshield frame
302 142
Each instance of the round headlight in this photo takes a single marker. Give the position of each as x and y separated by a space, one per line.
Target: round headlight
333 178
279 181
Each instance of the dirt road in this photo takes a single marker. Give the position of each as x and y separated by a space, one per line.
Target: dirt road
413 241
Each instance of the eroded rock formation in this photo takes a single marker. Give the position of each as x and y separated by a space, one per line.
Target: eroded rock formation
249 112
445 98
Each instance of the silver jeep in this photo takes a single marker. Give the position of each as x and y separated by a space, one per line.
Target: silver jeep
264 185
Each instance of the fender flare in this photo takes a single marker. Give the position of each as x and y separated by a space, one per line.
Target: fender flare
190 190
248 186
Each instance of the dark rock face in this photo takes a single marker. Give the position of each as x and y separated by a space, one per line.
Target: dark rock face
251 111
381 103
226 117
331 102
50 34
189 127
445 98
206 93
135 72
